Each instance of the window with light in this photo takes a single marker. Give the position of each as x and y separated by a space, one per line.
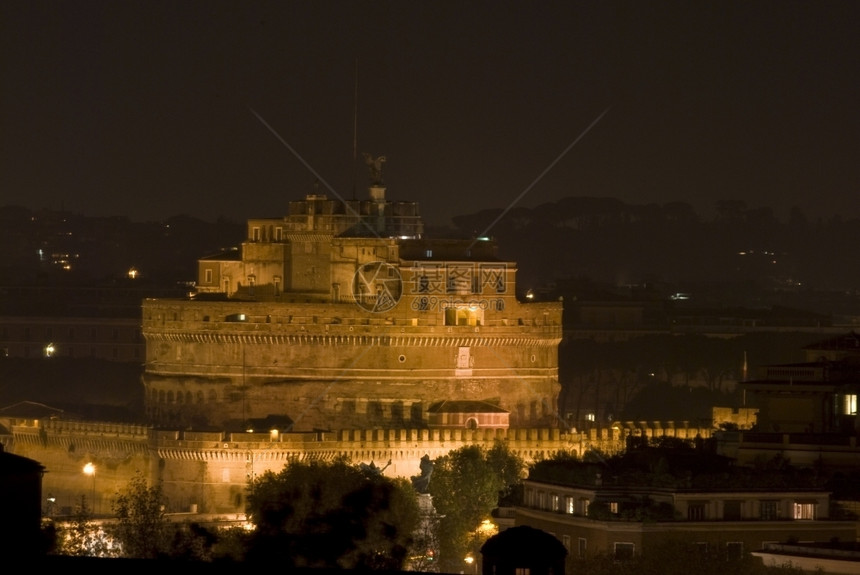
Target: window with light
850 404
804 510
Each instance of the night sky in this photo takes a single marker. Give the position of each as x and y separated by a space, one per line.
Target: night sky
211 108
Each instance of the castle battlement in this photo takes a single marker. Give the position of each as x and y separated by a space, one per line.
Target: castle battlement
209 470
241 316
53 430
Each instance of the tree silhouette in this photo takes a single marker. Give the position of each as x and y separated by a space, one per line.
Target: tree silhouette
331 515
82 536
142 528
466 486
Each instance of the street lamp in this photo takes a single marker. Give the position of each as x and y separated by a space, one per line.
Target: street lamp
51 502
90 469
473 565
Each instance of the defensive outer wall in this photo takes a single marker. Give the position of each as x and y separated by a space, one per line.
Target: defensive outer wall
324 363
207 472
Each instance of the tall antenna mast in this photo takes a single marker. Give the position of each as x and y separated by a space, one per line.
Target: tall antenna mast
355 131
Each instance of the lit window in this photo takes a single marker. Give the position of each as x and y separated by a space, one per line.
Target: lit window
554 502
613 507
207 277
850 405
804 510
583 507
569 505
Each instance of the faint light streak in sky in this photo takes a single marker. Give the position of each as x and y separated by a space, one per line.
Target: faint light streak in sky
542 174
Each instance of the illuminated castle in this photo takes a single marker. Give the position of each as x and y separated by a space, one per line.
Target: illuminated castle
342 315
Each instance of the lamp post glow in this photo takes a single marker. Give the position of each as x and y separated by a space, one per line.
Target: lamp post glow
470 561
90 469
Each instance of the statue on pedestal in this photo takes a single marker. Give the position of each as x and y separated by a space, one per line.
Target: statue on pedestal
375 166
421 482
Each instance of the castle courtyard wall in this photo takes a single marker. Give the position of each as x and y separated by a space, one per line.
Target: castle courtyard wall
208 472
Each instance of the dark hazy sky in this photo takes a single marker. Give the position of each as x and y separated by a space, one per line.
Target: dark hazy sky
210 108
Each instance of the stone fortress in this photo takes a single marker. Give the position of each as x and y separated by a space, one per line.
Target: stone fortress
342 315
339 329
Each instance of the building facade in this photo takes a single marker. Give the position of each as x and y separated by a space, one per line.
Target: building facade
727 522
806 412
342 315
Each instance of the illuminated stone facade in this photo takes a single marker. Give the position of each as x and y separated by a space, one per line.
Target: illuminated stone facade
208 471
342 315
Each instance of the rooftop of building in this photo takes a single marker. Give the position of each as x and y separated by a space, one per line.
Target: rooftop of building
680 467
845 342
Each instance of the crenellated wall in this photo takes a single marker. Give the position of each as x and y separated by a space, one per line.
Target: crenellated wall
118 451
208 471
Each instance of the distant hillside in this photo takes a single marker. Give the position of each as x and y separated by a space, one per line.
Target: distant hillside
50 246
665 377
746 253
741 255
91 389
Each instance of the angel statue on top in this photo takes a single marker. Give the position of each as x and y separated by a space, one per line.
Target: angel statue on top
375 165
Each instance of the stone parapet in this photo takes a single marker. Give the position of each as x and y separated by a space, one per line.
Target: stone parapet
210 470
